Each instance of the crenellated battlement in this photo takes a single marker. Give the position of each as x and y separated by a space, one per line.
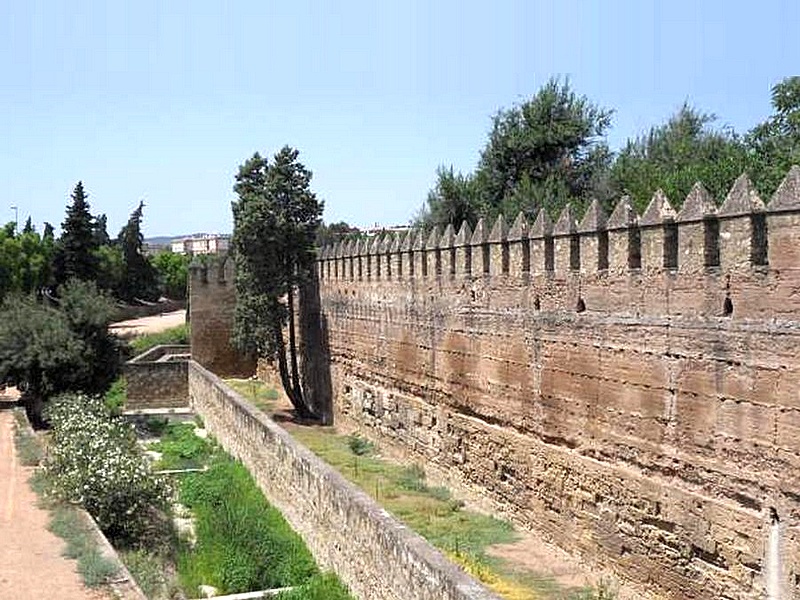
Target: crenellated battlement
741 235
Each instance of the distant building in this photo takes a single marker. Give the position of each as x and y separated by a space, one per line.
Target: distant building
202 244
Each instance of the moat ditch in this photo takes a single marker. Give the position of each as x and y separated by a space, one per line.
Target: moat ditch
514 564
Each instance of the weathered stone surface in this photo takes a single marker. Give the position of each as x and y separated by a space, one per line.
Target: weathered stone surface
157 378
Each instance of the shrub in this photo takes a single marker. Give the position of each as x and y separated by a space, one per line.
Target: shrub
359 446
94 460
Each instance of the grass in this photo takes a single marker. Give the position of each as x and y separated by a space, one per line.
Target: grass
242 542
174 335
29 449
68 524
257 392
180 446
116 395
464 535
149 569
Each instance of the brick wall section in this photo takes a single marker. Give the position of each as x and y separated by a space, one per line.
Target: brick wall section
345 530
638 404
154 382
212 302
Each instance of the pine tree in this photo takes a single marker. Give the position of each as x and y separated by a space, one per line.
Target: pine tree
75 252
28 226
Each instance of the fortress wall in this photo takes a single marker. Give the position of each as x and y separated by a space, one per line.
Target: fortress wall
628 386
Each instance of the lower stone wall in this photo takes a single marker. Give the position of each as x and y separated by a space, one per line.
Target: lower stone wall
346 531
154 381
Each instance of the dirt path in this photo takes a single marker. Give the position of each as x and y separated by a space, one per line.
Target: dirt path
31 565
149 324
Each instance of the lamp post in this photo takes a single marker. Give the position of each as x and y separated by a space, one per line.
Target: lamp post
16 218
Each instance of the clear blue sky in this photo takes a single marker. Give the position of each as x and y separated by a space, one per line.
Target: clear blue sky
163 100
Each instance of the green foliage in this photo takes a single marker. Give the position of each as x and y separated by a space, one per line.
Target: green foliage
182 449
95 568
359 445
326 586
75 252
775 143
275 219
149 571
454 199
541 154
94 460
82 545
178 335
243 543
46 350
675 155
116 396
25 262
172 270
336 232
29 449
139 277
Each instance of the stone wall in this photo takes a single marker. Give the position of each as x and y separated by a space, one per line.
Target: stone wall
345 530
628 386
212 300
157 378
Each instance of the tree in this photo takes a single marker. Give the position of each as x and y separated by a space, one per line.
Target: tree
541 154
275 223
334 232
75 252
775 144
101 230
675 155
46 350
139 276
28 226
172 270
453 200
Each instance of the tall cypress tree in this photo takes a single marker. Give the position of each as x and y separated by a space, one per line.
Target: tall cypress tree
275 225
75 253
139 279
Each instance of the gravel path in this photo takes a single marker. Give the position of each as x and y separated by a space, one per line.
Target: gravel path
31 565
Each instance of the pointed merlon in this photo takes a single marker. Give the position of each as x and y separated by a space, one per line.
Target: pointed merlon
594 219
697 205
481 234
421 238
408 241
448 237
499 231
566 223
464 235
742 198
658 211
542 226
375 246
433 238
624 214
396 242
520 229
787 196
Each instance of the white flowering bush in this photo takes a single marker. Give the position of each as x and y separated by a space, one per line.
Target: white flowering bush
93 459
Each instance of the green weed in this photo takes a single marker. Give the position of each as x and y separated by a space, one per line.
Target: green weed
95 568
